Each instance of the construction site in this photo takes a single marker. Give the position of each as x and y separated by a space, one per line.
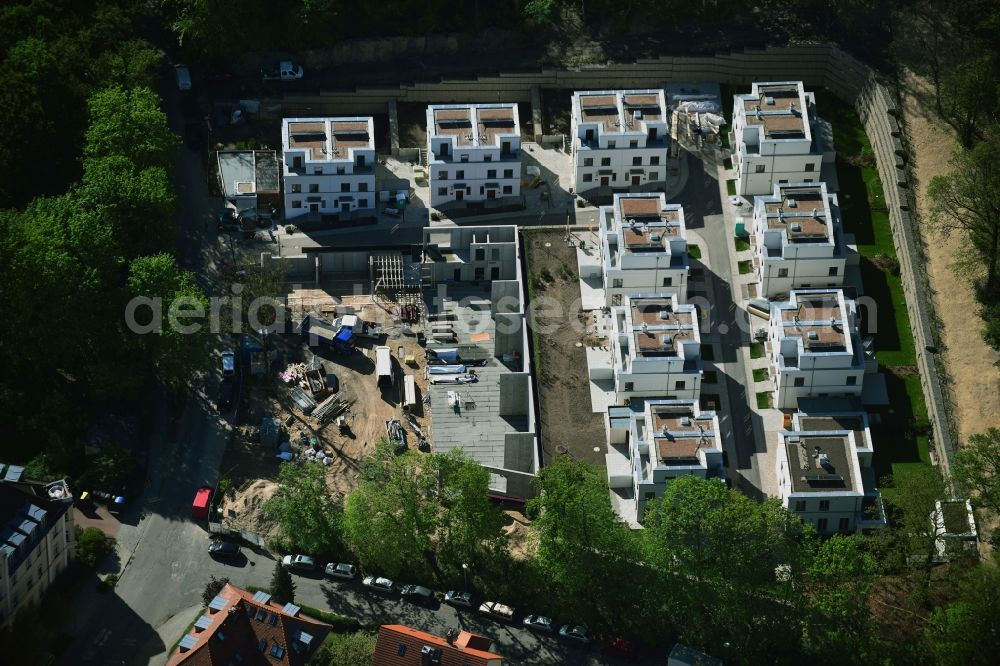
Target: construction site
423 346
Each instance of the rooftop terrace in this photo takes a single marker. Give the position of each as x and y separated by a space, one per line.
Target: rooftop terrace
819 463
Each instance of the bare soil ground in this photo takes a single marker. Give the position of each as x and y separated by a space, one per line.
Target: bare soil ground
253 467
567 423
974 379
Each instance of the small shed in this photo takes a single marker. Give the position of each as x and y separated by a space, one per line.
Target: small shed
199 508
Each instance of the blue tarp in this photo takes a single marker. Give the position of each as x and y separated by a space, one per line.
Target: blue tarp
446 355
344 335
446 369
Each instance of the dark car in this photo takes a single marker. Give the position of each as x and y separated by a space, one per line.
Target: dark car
227 394
539 623
576 633
228 221
417 594
224 550
458 598
332 382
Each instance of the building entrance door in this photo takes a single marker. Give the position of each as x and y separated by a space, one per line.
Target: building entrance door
636 180
604 181
459 195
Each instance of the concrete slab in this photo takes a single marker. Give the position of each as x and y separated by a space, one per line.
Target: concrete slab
602 395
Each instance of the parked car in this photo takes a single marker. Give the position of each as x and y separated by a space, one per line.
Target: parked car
341 570
223 550
299 562
227 394
539 623
228 221
228 363
286 70
183 76
577 633
456 598
392 210
417 594
378 584
497 610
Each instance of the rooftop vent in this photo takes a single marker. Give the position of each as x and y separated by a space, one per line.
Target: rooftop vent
655 237
665 315
815 212
769 101
685 420
638 114
792 203
813 335
667 339
796 226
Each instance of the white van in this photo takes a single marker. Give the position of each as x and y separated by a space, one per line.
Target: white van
183 75
383 366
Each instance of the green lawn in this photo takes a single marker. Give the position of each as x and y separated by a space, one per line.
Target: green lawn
764 400
742 244
710 377
756 350
759 374
746 267
902 436
731 187
694 251
707 353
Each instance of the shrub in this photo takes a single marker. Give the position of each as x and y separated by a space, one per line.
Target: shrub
341 624
92 545
435 216
580 203
212 589
346 649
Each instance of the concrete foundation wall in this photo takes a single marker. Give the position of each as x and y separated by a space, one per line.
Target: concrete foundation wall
517 453
514 390
343 262
302 267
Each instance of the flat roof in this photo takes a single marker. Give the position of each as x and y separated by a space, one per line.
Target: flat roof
647 223
679 431
495 122
819 463
660 326
854 423
779 108
474 124
479 430
245 172
328 139
801 211
620 110
818 320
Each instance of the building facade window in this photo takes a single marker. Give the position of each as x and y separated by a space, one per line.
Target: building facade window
296 188
491 173
296 204
810 167
679 385
629 386
668 282
654 175
508 173
588 177
362 203
782 272
824 505
799 381
362 187
800 505
637 161
313 187
833 271
605 161
442 175
442 191
852 381
616 283
654 160
633 143
345 187
821 525
460 174
759 168
508 189
611 144
488 157
588 161
845 524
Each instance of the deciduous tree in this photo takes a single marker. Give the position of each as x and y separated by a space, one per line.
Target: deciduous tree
309 517
977 468
129 122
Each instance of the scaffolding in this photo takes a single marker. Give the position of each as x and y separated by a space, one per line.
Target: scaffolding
395 283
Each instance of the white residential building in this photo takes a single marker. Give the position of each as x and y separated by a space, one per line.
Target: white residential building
643 246
778 138
798 239
473 152
825 474
815 347
655 348
649 448
328 166
36 539
620 139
